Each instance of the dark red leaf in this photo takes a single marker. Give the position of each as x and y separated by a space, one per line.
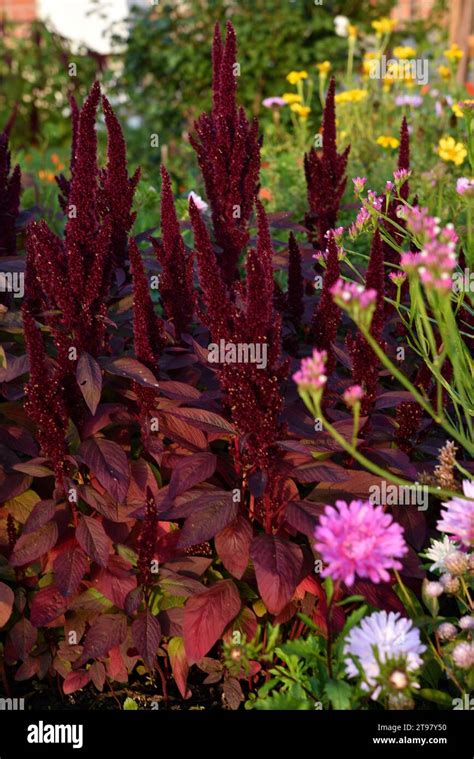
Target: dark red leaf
106 632
215 512
303 516
179 664
233 545
191 471
206 617
30 547
92 538
233 692
69 568
146 636
278 566
7 599
204 420
76 680
23 636
133 369
48 604
381 596
89 379
108 462
42 513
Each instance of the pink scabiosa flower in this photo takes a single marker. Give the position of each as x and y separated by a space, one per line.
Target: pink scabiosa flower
359 539
465 187
457 518
380 639
463 655
353 395
446 631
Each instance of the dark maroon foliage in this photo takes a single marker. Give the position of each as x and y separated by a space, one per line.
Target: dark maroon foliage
228 150
176 279
10 188
327 315
325 176
295 282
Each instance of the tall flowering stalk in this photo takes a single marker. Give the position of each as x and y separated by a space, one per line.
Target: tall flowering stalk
295 302
176 279
325 176
10 188
228 150
327 314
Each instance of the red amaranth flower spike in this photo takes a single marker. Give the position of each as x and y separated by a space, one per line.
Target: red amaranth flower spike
325 176
117 188
391 256
10 189
404 157
147 541
44 401
295 282
176 280
228 151
148 330
63 183
327 314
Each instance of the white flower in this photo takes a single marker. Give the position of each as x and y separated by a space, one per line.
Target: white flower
341 24
382 637
463 655
200 204
439 551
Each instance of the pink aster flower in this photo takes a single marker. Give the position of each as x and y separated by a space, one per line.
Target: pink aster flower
457 518
359 539
312 372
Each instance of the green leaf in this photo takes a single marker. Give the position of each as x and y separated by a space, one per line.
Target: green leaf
293 699
436 696
339 693
130 705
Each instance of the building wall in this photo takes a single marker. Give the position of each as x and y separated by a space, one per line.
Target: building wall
18 10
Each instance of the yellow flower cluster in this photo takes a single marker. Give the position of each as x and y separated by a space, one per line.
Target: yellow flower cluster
301 110
324 67
384 25
450 150
352 31
444 72
350 96
388 142
368 60
296 76
291 97
404 52
458 110
454 53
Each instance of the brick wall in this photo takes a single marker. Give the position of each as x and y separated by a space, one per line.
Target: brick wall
18 10
406 10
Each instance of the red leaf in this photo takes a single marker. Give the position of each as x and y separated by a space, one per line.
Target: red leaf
47 604
7 599
191 471
92 538
381 596
233 692
89 379
278 565
76 680
146 636
43 512
97 673
109 463
69 569
23 636
315 472
133 369
179 664
206 617
303 515
213 513
233 546
105 633
204 420
30 547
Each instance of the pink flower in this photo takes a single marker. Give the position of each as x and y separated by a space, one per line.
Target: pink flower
359 183
200 204
274 101
353 395
312 372
457 518
465 186
398 277
359 539
437 258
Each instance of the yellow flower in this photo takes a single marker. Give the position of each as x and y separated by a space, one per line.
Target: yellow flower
454 53
450 150
444 72
352 31
291 97
301 110
46 176
295 76
458 110
324 67
404 52
350 96
384 25
342 135
388 142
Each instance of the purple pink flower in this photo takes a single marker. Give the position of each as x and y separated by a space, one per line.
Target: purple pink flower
359 539
457 517
312 372
435 262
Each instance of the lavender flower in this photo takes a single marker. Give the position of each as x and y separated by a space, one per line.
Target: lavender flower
457 518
